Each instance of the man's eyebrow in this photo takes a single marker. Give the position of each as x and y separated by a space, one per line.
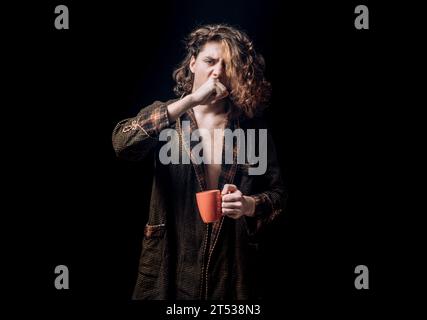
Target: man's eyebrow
209 57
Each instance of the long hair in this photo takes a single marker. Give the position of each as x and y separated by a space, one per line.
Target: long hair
250 91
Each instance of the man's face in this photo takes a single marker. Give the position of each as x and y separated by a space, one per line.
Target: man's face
210 62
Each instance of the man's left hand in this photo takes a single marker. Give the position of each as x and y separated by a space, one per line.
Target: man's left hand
235 204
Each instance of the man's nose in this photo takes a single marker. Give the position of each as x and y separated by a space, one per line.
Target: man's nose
217 71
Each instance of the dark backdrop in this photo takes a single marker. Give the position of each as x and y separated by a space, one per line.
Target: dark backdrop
330 117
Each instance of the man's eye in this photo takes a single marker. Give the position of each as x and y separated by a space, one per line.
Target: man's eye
210 62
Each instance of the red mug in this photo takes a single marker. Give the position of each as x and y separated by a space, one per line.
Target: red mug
209 204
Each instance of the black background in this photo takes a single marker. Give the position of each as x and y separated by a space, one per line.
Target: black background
337 133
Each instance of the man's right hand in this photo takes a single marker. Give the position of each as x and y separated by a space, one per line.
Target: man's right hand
210 92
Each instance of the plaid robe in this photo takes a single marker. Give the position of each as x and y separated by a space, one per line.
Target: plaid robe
182 257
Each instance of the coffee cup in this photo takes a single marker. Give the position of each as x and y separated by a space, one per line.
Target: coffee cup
209 204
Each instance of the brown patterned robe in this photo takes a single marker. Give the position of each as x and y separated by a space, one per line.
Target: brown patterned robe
183 258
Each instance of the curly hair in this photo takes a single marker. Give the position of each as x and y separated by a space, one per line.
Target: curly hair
250 91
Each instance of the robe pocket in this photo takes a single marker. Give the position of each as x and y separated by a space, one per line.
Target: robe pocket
154 231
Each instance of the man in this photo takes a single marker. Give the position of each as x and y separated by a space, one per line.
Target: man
222 87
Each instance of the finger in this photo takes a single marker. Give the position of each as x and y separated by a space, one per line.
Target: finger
230 212
221 86
232 197
221 91
211 84
232 205
229 188
233 215
218 92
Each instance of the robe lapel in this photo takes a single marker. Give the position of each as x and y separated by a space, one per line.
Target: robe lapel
228 172
185 129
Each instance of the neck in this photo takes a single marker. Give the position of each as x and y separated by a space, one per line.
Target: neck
211 109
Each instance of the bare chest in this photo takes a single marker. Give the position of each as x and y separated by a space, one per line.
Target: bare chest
212 143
